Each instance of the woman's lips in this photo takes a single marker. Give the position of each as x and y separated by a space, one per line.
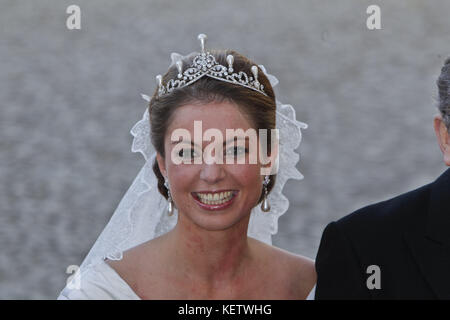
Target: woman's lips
213 207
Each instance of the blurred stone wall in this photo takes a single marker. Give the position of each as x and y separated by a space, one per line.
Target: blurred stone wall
68 99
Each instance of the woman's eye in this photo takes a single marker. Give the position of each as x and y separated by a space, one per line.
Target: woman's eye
186 153
236 150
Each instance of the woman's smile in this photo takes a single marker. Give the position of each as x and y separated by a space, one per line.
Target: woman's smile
217 200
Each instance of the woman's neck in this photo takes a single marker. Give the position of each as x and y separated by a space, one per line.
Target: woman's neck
211 258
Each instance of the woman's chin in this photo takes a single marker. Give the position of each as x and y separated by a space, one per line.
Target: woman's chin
218 222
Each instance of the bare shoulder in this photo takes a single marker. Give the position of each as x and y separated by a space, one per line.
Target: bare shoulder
302 273
296 270
132 263
296 266
125 267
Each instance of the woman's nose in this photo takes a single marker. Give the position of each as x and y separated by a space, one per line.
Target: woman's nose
212 173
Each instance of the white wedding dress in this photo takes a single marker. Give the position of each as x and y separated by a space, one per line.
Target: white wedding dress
101 282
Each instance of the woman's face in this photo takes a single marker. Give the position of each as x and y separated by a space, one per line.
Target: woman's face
214 196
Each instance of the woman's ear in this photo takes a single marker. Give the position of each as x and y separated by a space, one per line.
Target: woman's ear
443 137
161 164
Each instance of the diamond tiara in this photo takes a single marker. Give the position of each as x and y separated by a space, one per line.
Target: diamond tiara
204 64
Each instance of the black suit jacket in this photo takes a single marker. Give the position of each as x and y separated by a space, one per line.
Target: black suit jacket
408 237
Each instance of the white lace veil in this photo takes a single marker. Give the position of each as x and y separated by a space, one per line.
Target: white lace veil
142 213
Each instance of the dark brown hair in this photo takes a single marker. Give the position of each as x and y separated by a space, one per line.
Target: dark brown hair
259 109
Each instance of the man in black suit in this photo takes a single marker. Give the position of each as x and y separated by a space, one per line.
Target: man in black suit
395 249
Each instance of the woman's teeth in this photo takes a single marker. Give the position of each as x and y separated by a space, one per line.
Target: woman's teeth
215 198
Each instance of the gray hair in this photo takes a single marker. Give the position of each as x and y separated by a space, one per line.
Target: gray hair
443 83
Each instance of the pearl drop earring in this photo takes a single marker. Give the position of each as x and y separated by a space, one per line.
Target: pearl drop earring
265 206
170 207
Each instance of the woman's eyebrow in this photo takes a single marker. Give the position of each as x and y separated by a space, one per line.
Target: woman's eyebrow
192 143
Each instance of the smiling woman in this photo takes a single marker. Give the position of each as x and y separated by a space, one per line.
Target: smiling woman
244 180
251 108
207 253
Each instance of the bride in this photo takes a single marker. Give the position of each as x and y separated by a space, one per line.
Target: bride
192 228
